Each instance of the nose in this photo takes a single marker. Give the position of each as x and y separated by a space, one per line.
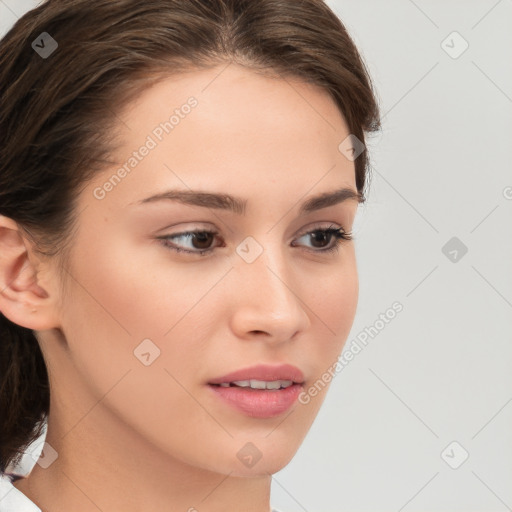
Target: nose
268 301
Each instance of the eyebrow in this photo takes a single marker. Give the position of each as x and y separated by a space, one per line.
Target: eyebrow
238 205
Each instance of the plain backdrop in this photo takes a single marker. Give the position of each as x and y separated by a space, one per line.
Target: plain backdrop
421 417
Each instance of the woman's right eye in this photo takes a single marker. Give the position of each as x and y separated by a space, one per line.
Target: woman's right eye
201 235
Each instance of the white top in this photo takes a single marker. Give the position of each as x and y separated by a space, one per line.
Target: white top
12 499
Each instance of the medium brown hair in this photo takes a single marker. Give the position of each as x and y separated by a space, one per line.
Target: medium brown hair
58 115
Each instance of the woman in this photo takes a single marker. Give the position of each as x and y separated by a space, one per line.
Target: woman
179 180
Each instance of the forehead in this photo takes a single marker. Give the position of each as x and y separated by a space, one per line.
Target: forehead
232 85
229 128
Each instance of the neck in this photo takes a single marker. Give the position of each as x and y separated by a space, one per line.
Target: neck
131 475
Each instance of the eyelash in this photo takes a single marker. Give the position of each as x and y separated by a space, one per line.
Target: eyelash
339 234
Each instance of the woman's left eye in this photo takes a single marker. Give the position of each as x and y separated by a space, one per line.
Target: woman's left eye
203 237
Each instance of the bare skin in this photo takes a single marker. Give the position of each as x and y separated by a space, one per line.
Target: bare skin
132 437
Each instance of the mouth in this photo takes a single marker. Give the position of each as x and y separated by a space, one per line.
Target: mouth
262 376
263 391
254 384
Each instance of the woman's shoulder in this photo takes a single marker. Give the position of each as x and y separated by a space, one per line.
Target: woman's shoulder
11 499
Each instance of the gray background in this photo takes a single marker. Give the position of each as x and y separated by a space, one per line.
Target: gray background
441 370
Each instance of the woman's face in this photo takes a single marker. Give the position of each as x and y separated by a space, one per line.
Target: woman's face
147 328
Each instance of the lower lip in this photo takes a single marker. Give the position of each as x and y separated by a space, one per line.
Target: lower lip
259 403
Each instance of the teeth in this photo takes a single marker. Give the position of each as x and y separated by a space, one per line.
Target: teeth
261 384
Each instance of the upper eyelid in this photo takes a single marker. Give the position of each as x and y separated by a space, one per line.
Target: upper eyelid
321 225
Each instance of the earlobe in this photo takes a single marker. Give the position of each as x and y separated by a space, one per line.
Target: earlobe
24 300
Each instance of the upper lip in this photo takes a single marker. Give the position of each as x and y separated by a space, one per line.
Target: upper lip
263 372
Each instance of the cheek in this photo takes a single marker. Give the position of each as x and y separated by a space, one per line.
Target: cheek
334 296
340 303
115 305
132 289
121 307
333 309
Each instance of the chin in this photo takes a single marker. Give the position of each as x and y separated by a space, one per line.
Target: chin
270 462
260 469
264 462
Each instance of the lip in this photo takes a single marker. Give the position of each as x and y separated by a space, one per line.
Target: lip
260 403
263 372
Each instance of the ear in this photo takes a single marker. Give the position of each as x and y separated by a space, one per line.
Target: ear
24 299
